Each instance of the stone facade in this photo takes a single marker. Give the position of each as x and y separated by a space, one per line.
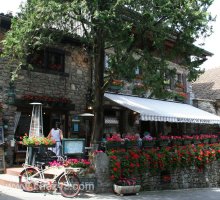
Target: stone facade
179 179
73 84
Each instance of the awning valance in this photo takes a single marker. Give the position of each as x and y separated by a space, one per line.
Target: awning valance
157 110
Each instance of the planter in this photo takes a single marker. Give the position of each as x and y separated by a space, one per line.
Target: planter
205 141
177 142
148 143
131 144
186 142
213 140
42 145
163 143
115 87
133 189
113 145
196 142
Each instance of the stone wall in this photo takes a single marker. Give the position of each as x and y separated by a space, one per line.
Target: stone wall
180 179
184 178
72 85
208 106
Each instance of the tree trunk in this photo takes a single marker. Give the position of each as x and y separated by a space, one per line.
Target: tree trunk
99 57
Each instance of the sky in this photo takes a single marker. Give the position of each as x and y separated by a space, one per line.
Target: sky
212 43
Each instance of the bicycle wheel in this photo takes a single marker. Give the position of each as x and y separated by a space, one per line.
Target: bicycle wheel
69 184
25 179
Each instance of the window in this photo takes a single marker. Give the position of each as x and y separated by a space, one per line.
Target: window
48 59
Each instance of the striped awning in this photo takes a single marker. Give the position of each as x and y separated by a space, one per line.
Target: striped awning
165 111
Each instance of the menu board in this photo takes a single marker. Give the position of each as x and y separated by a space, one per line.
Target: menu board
73 146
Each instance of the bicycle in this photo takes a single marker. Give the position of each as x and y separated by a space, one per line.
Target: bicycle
36 178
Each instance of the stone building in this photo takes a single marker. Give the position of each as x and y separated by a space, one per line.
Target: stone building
206 91
60 81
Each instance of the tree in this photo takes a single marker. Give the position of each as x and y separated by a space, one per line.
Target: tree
136 31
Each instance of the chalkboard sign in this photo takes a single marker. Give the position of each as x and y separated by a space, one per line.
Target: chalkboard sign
1 134
73 146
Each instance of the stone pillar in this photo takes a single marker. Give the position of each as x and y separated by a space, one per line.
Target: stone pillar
104 183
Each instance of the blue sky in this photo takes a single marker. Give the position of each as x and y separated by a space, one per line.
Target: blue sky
211 43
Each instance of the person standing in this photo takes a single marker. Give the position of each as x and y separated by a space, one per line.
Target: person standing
56 134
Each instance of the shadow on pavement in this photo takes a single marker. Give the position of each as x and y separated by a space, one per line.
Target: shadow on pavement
7 197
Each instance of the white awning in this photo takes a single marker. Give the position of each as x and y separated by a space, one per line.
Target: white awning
157 110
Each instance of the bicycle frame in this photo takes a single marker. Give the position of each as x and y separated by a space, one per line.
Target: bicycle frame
38 181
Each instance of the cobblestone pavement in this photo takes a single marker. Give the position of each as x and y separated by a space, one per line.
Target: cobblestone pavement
7 193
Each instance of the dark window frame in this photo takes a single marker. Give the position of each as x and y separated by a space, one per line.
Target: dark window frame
51 60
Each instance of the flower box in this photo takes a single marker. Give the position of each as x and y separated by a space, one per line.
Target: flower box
213 140
205 141
148 143
186 142
41 145
133 189
177 142
163 143
196 141
113 145
131 144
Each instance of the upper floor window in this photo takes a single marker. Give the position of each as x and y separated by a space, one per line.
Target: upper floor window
48 59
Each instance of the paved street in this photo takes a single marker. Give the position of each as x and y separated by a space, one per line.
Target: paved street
7 193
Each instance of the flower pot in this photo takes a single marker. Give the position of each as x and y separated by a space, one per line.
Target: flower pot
133 189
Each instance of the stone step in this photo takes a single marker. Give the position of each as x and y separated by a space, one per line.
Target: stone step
9 180
14 171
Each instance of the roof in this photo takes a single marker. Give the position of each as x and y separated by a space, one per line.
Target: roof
207 86
164 111
5 21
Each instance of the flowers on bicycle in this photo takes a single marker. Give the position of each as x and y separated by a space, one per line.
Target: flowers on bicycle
72 162
27 141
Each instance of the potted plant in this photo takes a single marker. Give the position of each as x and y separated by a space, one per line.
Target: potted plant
127 186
